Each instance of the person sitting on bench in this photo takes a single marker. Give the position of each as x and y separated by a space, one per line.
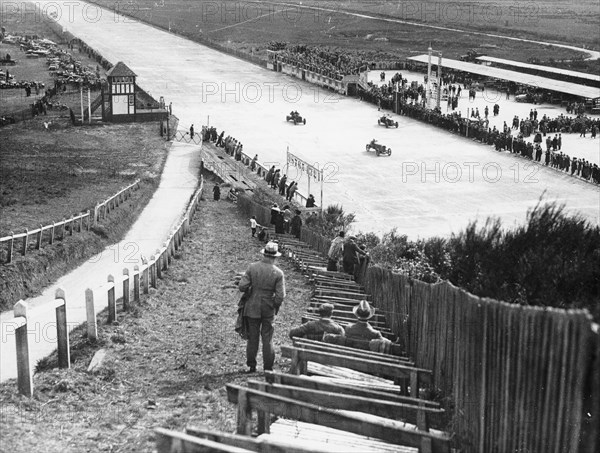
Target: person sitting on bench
314 330
362 330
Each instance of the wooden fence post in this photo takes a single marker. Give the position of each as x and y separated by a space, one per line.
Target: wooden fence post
112 306
90 311
80 223
38 244
24 375
52 233
62 332
71 226
153 271
95 215
159 258
145 277
11 246
125 289
25 242
136 283
165 256
89 220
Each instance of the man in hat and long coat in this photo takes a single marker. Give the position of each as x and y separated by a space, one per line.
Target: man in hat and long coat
362 330
267 285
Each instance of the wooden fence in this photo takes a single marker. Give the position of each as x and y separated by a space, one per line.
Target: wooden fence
142 279
520 378
46 235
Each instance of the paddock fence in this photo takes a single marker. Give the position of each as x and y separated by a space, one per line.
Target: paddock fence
35 239
134 285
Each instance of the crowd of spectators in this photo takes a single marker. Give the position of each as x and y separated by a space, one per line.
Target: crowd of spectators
232 146
331 62
504 140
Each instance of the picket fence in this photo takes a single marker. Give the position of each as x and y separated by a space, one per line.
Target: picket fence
519 378
47 234
140 282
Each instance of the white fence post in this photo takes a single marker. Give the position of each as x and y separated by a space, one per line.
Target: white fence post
136 283
90 311
125 289
24 375
112 306
62 332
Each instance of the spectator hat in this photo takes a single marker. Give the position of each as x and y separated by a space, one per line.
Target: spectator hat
363 311
271 249
325 310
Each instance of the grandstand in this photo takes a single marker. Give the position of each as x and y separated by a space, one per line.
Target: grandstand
580 78
563 88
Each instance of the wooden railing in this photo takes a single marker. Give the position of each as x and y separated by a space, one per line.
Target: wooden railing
47 234
140 282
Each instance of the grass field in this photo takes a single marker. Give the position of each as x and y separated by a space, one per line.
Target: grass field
250 26
49 174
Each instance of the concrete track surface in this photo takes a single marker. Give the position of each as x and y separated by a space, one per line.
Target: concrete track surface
434 183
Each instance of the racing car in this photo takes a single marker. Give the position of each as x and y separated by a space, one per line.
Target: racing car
295 117
386 121
378 148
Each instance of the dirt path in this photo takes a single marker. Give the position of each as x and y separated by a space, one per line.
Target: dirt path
167 362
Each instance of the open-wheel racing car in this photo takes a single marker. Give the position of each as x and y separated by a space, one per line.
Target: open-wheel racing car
387 122
378 148
295 117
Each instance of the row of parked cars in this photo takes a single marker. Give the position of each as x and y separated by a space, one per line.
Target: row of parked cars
67 70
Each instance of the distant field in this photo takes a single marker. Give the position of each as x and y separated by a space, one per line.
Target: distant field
250 25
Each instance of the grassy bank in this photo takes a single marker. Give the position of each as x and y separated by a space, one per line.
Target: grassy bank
167 361
48 175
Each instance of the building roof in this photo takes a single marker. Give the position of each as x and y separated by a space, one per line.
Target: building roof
514 76
120 70
537 67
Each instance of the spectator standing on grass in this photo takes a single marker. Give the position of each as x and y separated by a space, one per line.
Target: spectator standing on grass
282 183
266 283
216 192
291 191
362 330
335 252
274 213
314 330
296 225
350 255
253 225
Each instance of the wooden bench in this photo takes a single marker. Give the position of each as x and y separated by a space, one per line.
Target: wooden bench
421 413
342 293
336 283
393 371
352 347
265 403
196 440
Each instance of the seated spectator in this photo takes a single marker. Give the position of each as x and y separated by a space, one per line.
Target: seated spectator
362 330
314 330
